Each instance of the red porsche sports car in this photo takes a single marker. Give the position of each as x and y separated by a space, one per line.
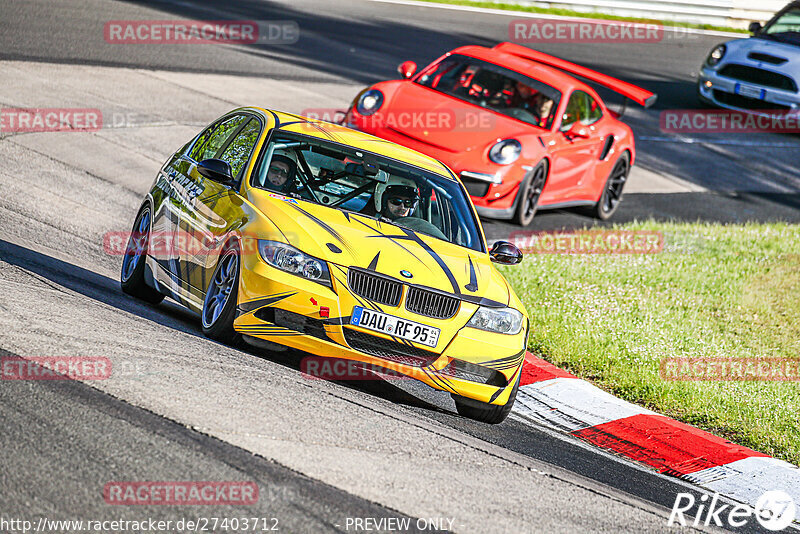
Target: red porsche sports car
520 130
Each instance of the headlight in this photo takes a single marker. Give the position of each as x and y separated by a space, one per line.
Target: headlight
500 320
289 259
370 102
505 151
716 55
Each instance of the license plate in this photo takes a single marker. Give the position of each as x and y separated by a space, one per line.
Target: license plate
395 326
749 91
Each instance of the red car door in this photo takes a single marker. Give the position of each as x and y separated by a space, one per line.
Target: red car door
574 148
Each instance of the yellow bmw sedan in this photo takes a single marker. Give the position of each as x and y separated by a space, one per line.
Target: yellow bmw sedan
277 228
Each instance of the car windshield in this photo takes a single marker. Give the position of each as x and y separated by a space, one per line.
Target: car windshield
352 180
785 27
494 87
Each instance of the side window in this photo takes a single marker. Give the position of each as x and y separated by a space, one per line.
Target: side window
581 107
238 152
593 111
214 142
201 141
573 112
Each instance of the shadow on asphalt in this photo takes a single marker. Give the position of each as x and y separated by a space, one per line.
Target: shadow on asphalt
170 314
349 47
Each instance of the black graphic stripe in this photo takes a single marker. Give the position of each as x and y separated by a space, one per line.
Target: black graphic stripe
325 226
512 381
508 361
247 307
414 237
373 265
473 278
393 239
482 301
439 380
277 119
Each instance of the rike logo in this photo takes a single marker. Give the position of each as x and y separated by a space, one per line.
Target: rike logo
774 510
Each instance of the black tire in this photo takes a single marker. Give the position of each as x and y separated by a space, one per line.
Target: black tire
219 304
613 189
131 276
532 187
492 414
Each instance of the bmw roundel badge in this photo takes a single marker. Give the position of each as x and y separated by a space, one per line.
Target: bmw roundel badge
406 274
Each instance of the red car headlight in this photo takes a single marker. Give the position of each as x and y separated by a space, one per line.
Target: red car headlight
370 102
505 152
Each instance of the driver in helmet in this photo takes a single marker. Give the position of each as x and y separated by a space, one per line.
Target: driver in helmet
397 198
282 169
529 99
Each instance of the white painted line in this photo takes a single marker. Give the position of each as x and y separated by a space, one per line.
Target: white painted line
701 141
571 404
747 479
547 16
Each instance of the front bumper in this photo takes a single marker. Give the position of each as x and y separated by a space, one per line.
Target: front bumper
282 308
726 92
492 197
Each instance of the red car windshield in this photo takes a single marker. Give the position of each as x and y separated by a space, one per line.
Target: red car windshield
494 87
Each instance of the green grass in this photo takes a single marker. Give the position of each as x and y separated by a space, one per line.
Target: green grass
581 14
715 291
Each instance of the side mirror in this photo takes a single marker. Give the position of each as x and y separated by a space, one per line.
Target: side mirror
407 69
505 253
755 28
215 169
577 131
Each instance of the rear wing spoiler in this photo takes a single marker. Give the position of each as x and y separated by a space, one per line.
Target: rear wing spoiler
637 94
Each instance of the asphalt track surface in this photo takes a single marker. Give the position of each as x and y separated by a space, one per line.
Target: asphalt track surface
730 177
190 409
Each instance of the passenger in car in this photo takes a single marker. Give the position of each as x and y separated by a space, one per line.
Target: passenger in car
282 169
